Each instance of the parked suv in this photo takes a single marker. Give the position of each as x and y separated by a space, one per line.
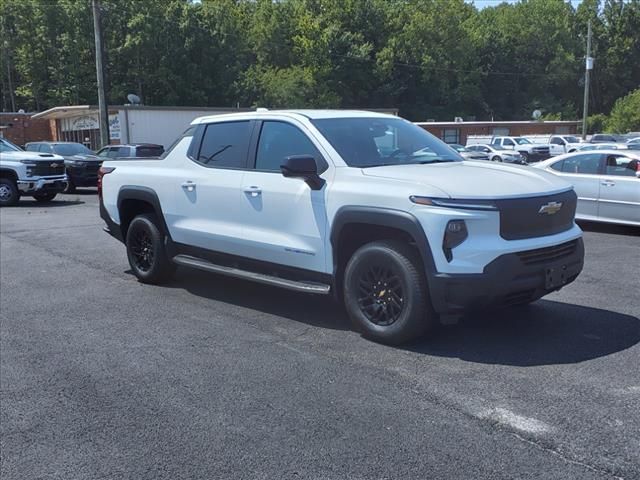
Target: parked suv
530 152
39 175
132 150
307 200
81 163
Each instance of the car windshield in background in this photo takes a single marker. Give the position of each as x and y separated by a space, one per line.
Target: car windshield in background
521 141
70 149
459 148
375 142
7 146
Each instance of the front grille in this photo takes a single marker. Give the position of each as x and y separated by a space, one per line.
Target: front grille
520 297
544 150
548 254
93 167
45 169
522 218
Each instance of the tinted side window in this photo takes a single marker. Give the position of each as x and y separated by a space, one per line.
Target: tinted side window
113 153
508 142
149 151
588 163
558 166
225 145
556 141
279 140
32 147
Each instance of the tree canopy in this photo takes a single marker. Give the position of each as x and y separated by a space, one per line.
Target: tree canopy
430 58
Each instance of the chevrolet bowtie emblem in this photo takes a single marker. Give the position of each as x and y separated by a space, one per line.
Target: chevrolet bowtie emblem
54 165
550 208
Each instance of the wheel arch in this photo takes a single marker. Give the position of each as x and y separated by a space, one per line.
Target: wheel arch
134 200
8 173
355 226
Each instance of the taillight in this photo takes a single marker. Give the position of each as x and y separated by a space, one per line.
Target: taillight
102 171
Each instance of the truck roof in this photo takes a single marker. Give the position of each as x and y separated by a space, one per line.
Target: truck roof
312 114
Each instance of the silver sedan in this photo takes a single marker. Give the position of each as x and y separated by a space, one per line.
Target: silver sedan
607 183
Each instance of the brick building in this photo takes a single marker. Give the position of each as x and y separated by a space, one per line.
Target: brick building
457 132
20 128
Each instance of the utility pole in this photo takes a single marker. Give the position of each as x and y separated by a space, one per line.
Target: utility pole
587 71
102 97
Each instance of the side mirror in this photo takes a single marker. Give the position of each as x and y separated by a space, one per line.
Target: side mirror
304 167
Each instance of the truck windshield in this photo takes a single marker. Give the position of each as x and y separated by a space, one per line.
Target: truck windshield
375 142
572 139
521 141
70 149
7 146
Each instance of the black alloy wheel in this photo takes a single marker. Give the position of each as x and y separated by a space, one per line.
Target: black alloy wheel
146 250
385 292
381 298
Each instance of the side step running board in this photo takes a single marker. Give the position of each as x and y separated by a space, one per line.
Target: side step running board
298 286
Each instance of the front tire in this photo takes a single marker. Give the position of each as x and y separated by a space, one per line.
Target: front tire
44 197
9 194
385 293
146 251
525 156
496 159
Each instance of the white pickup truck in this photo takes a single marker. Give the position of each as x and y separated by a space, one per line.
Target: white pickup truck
39 175
531 152
364 206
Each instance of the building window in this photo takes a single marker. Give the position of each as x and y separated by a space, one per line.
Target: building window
451 135
563 130
501 131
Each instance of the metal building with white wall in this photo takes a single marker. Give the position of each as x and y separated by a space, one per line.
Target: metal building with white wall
127 123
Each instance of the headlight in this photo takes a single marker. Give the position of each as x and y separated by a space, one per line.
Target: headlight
454 203
75 163
454 234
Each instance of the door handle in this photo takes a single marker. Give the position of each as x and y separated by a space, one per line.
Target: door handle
253 191
608 183
189 186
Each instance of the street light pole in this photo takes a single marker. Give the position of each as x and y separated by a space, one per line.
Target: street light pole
102 97
587 71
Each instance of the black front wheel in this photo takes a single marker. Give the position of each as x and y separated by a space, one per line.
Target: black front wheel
525 157
385 292
496 159
44 197
146 250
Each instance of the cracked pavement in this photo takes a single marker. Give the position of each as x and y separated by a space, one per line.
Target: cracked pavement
102 377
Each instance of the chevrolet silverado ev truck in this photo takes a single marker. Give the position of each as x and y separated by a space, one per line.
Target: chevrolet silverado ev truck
368 207
39 175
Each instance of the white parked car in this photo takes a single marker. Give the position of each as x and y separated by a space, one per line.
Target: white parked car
368 207
499 154
559 144
607 183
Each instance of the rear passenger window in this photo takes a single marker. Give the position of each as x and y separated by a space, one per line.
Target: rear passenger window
279 140
588 164
224 145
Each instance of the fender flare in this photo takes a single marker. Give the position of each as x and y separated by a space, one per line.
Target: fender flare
384 217
145 194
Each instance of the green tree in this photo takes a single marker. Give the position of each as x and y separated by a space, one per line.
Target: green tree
625 115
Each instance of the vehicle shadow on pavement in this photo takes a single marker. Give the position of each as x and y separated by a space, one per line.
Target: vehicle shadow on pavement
543 333
609 228
53 204
314 310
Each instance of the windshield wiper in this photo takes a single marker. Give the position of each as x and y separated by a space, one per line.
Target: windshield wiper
436 160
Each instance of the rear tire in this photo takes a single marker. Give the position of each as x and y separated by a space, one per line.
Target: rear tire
44 197
146 250
9 193
386 294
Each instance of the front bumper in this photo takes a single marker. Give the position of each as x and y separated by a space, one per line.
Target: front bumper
43 185
510 279
536 156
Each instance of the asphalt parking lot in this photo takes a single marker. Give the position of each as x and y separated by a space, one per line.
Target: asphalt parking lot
102 377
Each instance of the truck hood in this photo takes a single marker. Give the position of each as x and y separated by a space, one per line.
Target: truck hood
17 156
474 179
